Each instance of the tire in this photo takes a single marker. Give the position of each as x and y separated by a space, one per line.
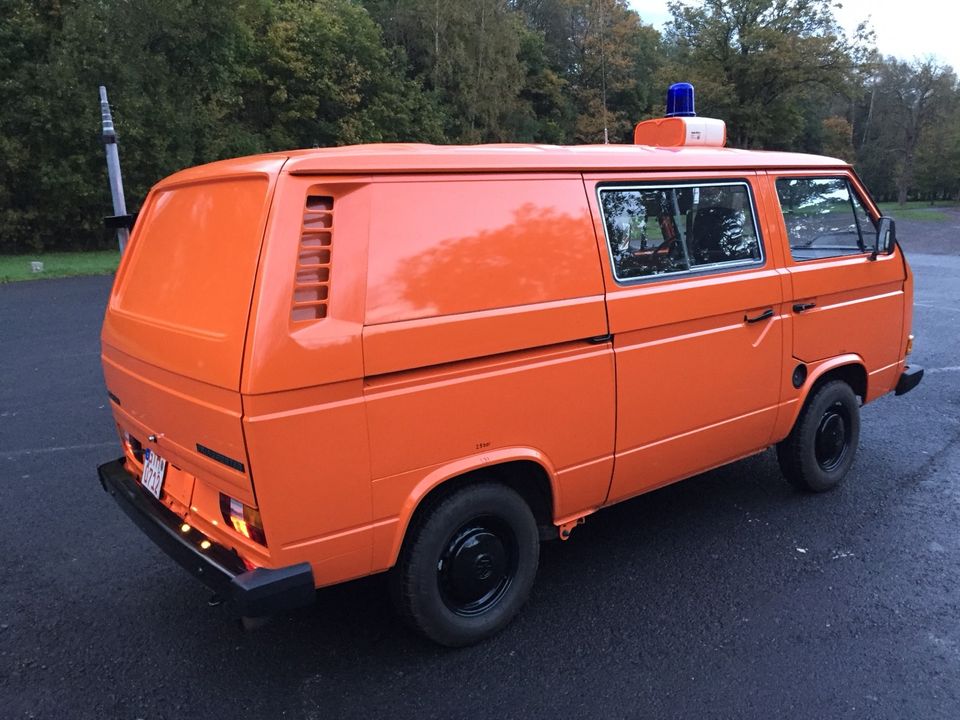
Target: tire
823 443
467 566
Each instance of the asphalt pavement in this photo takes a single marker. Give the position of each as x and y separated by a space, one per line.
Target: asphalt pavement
728 595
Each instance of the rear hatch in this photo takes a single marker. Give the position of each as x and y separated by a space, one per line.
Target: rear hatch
175 326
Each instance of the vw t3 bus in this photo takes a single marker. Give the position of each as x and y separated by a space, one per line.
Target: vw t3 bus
423 360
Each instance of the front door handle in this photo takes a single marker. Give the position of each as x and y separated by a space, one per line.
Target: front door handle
768 313
801 307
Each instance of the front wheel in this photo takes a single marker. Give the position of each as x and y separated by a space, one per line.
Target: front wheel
468 565
820 449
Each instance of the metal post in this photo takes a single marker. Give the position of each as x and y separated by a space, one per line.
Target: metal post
113 167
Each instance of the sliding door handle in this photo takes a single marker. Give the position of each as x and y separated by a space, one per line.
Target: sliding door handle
768 313
801 307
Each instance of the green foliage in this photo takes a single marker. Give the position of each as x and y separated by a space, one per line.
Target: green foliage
192 81
605 58
910 137
189 82
837 138
467 53
759 63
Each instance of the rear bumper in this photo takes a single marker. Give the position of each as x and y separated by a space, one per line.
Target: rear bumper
255 593
909 379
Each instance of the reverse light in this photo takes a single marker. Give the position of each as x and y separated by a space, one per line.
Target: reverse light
135 447
909 343
244 519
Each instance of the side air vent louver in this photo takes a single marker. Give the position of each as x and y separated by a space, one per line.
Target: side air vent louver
311 287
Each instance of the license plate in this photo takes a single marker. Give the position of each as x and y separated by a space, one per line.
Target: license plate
154 468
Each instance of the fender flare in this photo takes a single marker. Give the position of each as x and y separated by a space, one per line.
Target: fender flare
817 371
439 475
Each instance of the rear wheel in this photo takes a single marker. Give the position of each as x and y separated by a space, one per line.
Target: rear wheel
468 565
820 449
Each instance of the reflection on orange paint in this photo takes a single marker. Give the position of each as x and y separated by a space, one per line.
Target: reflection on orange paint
501 243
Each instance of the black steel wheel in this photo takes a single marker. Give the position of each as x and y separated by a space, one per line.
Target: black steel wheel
831 442
821 447
467 565
478 565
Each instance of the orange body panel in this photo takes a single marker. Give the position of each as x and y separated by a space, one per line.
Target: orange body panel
199 241
848 294
355 327
681 344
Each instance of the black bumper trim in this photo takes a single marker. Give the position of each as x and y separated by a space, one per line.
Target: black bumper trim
909 379
254 593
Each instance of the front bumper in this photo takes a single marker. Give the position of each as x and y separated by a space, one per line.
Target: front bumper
254 593
909 379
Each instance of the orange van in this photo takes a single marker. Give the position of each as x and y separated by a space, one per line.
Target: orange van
426 360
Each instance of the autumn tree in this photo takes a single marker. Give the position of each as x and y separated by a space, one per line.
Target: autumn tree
756 63
189 83
468 55
937 172
837 138
905 137
607 57
196 81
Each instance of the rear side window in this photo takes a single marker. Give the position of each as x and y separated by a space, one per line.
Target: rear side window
662 230
824 218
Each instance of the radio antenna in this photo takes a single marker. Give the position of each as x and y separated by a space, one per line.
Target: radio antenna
603 73
120 220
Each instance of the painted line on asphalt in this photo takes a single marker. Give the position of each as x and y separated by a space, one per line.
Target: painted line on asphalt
937 307
951 368
63 448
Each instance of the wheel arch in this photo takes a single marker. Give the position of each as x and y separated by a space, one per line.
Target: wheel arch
850 368
527 471
804 462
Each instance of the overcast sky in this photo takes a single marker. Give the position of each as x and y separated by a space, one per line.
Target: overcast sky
913 29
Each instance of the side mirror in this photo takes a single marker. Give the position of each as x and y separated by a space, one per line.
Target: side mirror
886 236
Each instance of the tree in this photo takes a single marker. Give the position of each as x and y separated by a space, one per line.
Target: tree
607 58
938 155
838 138
467 53
318 74
189 83
757 62
192 82
907 104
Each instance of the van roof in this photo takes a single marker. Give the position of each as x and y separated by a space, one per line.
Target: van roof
419 158
400 158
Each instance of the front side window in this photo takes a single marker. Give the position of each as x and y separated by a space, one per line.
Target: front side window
658 230
823 218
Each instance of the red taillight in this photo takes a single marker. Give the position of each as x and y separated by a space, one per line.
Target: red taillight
245 520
